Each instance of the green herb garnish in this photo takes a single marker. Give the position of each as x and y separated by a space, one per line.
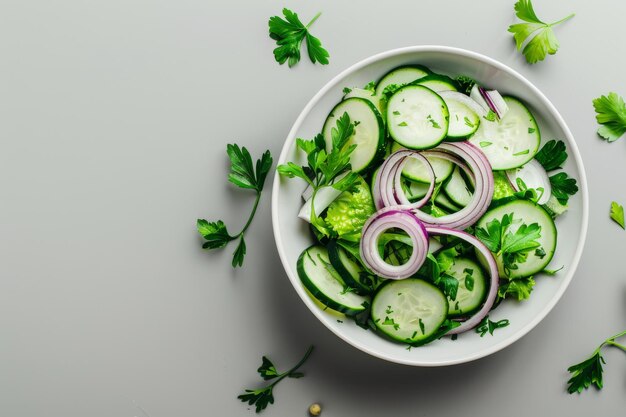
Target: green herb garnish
563 187
611 114
544 41
617 214
512 247
371 86
244 175
289 34
589 372
390 322
261 398
491 116
518 288
323 168
433 122
484 144
487 325
552 155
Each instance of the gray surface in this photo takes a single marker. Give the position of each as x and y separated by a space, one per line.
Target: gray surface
114 116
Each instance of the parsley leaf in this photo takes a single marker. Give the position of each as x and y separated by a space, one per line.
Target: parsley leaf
611 114
518 288
617 214
244 175
487 325
544 42
267 370
465 83
563 187
552 155
589 372
261 398
289 34
512 247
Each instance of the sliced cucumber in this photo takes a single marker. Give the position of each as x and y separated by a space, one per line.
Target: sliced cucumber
472 286
457 189
554 207
409 310
415 190
417 117
441 200
369 132
324 283
401 76
501 186
349 269
464 121
438 83
512 141
525 212
364 94
416 170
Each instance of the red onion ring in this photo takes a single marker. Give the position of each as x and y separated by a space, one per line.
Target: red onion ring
483 186
475 319
388 190
377 224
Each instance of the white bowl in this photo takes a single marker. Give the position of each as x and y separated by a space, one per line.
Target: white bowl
292 234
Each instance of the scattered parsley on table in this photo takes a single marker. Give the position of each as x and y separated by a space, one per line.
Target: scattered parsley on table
543 42
611 114
244 175
289 33
617 214
262 397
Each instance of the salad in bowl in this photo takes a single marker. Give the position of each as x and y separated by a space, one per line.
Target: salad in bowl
428 200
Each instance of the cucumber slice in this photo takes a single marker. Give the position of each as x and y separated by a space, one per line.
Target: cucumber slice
369 133
401 76
525 212
416 170
415 190
512 141
323 282
464 121
409 310
417 117
441 200
438 83
364 94
501 186
457 189
349 269
469 274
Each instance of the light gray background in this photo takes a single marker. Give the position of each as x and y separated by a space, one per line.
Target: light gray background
114 117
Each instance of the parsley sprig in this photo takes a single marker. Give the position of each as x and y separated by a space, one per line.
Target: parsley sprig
487 325
289 34
544 41
244 175
589 372
325 168
611 114
513 247
262 397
